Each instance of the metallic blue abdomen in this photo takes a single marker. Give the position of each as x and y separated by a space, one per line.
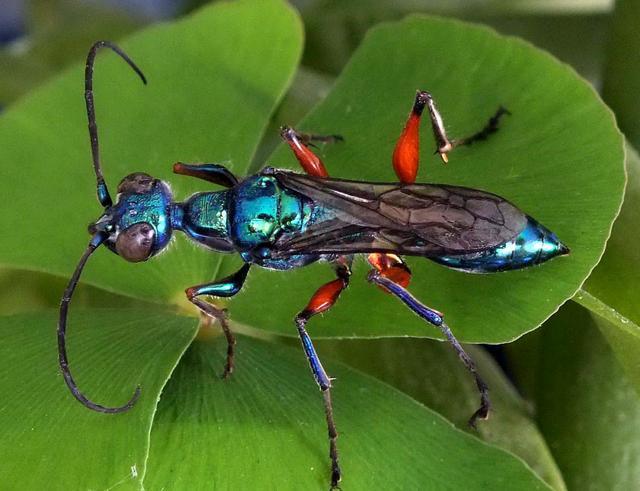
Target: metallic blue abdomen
534 245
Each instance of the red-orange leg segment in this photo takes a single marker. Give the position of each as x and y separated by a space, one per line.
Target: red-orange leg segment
391 266
309 161
326 296
406 155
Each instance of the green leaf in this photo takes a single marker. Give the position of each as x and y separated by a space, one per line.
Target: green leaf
58 31
559 157
266 425
335 28
432 373
622 334
587 409
27 291
622 71
612 289
48 439
214 80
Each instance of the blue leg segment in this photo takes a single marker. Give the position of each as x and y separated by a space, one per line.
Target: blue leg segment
324 298
215 173
324 382
226 287
434 317
322 379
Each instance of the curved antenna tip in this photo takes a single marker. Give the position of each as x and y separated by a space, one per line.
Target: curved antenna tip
63 361
106 409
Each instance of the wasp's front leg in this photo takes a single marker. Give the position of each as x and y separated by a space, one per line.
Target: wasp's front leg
436 318
216 173
226 287
321 301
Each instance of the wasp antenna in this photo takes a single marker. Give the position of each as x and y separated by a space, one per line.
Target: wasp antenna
103 192
95 242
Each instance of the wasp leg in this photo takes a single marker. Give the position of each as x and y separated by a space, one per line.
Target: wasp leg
391 266
226 287
323 299
406 155
491 127
309 138
214 173
298 142
436 318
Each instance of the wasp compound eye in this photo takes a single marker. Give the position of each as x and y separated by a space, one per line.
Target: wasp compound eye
138 183
135 244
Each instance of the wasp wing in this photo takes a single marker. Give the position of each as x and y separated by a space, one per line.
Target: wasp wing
414 219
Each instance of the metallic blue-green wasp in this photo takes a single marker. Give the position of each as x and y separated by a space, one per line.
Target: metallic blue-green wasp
280 220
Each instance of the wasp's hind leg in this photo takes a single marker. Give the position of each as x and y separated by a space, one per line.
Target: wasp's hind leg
436 318
299 144
226 287
406 153
321 301
491 127
392 267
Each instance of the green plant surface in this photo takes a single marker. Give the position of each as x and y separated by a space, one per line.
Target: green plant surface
587 409
266 428
59 32
264 425
622 334
621 73
47 436
611 291
431 373
532 161
215 80
335 28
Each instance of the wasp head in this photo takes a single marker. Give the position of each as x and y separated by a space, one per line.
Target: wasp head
138 225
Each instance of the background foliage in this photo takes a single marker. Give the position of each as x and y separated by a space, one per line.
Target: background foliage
222 80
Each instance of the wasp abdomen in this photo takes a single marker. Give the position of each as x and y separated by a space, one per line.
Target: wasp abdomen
534 245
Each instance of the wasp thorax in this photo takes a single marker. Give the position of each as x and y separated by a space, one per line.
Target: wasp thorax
138 183
135 243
